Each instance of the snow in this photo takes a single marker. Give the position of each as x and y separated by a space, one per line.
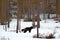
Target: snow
45 28
49 24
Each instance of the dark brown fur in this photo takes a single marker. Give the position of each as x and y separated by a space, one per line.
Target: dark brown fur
27 29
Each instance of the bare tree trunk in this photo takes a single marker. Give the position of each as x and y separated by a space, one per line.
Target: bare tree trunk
17 26
18 16
5 27
57 17
44 16
48 16
29 15
8 14
33 19
8 24
38 25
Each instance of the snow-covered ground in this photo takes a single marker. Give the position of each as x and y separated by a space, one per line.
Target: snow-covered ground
45 28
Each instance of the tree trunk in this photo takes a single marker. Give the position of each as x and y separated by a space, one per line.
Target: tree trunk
5 27
44 16
17 26
19 14
48 16
38 25
33 19
8 24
